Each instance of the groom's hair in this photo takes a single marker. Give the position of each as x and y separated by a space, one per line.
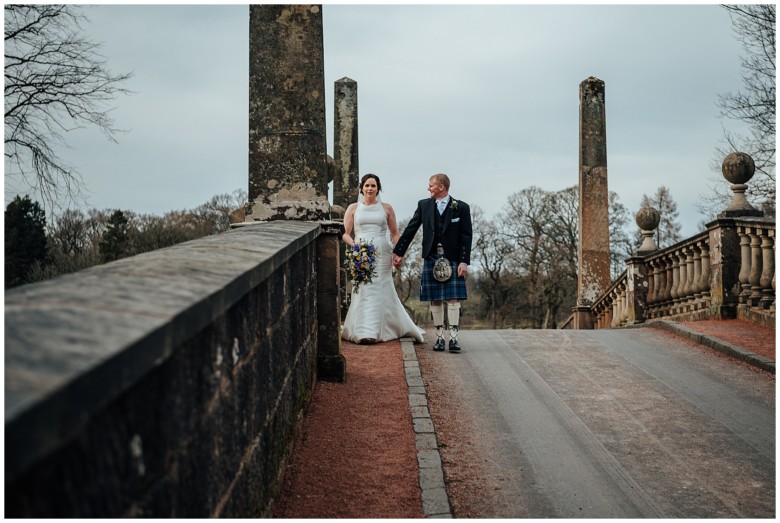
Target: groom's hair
442 179
366 177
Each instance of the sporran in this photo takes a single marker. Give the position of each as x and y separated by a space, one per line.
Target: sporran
442 270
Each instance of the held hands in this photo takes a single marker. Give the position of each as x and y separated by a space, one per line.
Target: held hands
463 269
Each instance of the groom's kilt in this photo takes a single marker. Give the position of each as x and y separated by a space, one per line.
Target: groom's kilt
432 290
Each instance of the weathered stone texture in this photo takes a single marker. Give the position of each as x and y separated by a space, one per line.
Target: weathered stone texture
593 245
738 168
725 253
169 384
637 284
288 167
345 143
331 363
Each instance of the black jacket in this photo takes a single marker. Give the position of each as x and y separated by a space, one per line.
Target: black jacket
455 235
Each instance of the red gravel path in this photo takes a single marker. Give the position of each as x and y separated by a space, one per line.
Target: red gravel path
357 456
755 338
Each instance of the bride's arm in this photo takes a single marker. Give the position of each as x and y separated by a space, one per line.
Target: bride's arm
349 222
392 226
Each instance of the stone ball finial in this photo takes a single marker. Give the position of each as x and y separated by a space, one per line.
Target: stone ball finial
738 168
647 218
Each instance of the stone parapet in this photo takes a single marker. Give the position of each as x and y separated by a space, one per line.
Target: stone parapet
169 384
727 271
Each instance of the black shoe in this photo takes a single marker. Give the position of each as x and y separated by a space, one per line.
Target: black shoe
439 345
454 346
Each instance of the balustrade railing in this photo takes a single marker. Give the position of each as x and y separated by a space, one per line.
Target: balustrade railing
610 309
757 267
678 281
679 278
726 271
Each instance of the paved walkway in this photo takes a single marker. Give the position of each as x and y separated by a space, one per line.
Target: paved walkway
624 423
618 480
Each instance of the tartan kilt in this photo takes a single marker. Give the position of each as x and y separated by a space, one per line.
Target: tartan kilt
432 290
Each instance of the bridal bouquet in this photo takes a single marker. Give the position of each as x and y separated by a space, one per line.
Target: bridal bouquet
361 263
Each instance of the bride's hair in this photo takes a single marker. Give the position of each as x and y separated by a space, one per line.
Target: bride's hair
366 177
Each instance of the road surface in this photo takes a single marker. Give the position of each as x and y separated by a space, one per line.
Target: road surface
631 423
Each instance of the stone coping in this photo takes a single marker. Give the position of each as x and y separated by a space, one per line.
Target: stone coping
436 502
74 343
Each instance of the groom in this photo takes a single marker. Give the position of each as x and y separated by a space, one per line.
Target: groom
446 222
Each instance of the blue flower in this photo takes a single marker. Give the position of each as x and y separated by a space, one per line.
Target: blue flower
360 261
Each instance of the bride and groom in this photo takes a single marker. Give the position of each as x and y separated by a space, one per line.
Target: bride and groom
375 313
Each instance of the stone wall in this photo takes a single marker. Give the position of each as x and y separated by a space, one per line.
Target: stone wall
169 384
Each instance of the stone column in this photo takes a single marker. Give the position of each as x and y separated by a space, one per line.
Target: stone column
331 364
288 166
637 284
345 143
639 277
593 245
726 253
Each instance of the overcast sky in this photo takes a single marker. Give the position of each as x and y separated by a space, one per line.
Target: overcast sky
487 94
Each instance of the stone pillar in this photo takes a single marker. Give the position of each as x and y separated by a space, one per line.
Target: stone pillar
637 284
638 274
593 245
331 364
726 256
288 166
345 143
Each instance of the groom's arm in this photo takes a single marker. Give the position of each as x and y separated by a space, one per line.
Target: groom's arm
408 235
465 235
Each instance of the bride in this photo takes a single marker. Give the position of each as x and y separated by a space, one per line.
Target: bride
375 312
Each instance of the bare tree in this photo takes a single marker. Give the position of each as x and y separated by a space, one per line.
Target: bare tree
491 252
754 105
55 82
407 277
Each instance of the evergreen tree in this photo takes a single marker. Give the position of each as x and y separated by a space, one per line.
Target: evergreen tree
668 231
25 240
115 240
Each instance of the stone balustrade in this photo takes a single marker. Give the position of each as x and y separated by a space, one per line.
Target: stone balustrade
610 310
685 282
679 278
757 267
725 271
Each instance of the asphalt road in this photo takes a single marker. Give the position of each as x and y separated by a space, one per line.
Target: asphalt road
601 424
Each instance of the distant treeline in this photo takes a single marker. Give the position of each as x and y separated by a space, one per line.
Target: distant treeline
38 249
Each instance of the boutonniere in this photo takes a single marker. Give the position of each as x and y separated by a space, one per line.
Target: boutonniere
453 204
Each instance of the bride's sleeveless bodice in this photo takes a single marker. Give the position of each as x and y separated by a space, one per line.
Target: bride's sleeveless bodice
375 312
371 224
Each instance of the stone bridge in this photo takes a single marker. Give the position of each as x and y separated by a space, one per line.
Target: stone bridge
172 384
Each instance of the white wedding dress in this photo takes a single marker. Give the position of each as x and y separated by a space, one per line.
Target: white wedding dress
375 312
